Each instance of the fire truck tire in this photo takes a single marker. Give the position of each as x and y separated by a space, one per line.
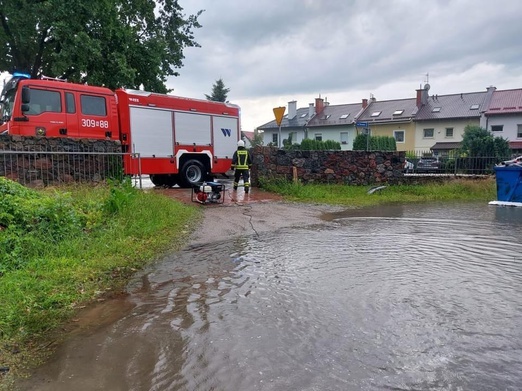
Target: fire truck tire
164 180
192 172
157 180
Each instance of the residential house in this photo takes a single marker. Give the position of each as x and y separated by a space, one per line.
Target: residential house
392 118
441 119
433 124
335 122
503 117
247 137
293 125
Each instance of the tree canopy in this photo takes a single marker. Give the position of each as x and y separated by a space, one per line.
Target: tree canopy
116 43
219 92
479 142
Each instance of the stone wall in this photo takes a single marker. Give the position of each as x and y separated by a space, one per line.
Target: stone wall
341 167
39 161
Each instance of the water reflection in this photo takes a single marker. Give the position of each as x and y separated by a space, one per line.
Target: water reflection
409 297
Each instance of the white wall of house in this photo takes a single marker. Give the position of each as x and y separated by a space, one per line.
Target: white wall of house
511 127
268 136
427 133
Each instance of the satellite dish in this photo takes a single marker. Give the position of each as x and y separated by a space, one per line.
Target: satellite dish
427 87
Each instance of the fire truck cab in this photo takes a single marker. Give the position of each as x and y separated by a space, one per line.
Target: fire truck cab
52 108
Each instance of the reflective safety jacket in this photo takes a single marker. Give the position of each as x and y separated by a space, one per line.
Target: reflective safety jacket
241 159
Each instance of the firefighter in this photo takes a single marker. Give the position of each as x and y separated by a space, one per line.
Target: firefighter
241 163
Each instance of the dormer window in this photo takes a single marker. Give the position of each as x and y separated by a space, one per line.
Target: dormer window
303 115
398 112
344 116
474 107
376 113
436 110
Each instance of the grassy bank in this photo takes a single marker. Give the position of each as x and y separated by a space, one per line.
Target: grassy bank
357 196
61 249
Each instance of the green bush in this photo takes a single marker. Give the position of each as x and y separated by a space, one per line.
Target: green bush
316 145
375 143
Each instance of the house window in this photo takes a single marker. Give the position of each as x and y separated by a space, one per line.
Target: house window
497 128
319 136
519 131
344 116
449 132
474 107
344 138
398 112
428 133
436 110
399 136
292 136
376 113
274 138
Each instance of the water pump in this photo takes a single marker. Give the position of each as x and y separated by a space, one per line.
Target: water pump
208 192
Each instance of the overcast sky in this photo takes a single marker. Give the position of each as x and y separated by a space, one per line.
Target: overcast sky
271 52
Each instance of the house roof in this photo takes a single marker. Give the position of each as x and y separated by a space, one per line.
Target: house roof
465 105
399 110
505 101
248 135
299 121
446 146
336 115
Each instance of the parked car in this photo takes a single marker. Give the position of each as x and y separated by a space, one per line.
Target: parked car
408 166
428 164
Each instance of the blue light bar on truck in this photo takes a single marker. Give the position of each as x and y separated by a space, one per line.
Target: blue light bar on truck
21 74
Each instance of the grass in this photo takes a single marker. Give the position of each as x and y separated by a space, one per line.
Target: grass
357 196
62 249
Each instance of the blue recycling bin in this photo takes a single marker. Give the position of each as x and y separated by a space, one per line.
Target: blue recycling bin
509 183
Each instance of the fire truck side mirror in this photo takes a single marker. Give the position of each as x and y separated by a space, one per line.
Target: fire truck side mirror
25 108
26 95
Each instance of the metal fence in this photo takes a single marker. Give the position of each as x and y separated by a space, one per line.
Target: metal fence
43 168
427 163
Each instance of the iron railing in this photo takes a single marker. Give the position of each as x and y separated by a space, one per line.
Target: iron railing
427 163
45 168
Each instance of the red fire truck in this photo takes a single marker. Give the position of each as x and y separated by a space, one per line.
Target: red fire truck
173 139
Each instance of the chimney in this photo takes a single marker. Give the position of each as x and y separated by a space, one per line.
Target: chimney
310 110
292 109
364 103
422 96
319 105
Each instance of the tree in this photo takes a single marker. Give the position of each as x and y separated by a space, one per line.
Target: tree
479 142
257 140
116 43
219 92
481 149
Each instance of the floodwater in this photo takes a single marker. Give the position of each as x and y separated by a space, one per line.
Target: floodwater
412 297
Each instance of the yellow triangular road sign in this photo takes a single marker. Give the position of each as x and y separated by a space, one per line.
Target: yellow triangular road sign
279 112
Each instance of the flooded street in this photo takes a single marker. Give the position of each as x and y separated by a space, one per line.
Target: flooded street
410 297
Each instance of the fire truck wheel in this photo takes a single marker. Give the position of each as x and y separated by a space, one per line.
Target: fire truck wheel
164 180
157 180
192 172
